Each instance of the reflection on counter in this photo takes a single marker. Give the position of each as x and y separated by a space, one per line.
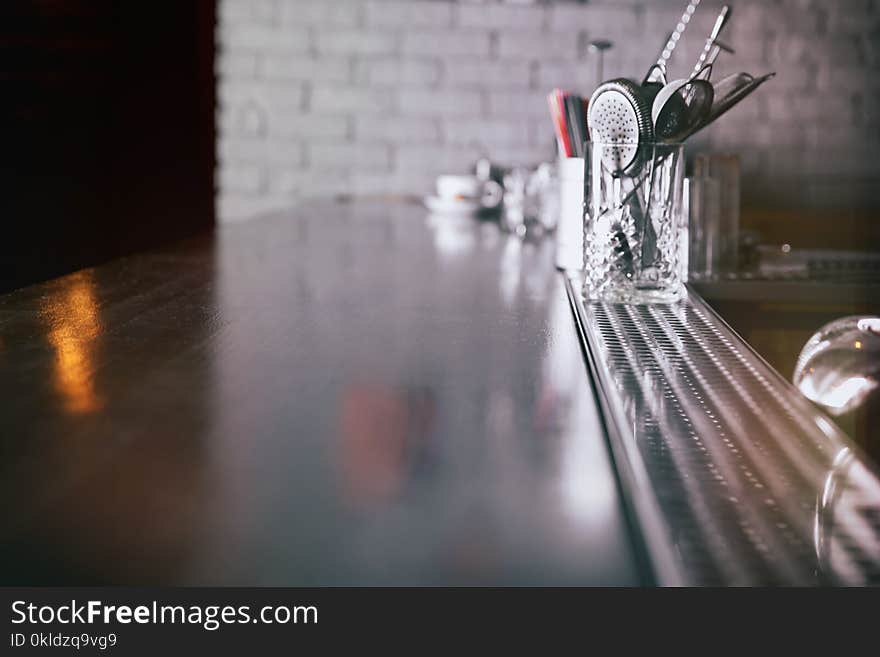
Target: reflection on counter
386 440
74 327
422 415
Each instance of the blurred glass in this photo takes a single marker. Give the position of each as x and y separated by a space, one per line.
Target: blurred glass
544 185
722 228
531 200
517 205
704 223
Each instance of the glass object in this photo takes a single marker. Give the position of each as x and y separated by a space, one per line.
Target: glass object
513 217
544 186
722 228
531 200
633 222
704 222
839 367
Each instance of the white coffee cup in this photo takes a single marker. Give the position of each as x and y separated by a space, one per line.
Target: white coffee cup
459 187
570 229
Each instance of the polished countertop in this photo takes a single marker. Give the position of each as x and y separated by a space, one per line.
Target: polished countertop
339 394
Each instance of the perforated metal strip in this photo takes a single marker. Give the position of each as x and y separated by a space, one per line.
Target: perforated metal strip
736 477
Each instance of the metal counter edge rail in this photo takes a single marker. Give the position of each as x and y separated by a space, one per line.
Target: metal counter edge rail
730 475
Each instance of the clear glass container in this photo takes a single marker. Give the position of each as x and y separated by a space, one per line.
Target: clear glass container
718 177
633 222
839 367
704 220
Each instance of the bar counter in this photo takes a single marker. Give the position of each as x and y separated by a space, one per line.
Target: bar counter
360 393
340 394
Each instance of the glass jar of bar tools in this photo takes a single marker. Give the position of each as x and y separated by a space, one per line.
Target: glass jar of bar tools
633 222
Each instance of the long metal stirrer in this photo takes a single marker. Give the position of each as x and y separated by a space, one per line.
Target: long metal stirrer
674 38
711 42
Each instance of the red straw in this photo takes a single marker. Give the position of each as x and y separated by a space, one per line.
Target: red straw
556 101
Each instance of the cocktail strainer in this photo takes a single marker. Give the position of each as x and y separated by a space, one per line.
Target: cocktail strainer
620 118
731 90
680 107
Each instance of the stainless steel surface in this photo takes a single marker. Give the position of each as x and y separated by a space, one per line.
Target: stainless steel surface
342 394
791 291
735 477
802 276
816 265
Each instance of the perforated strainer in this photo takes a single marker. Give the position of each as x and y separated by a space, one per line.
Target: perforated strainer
620 118
680 107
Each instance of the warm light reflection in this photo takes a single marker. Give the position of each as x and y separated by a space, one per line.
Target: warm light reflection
74 324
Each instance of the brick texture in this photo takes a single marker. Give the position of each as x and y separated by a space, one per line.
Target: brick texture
324 97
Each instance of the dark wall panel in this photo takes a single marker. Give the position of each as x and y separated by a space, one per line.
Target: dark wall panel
106 126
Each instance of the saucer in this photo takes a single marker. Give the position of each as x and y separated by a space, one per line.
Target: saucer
453 206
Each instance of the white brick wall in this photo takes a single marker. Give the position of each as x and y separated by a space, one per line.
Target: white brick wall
323 97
